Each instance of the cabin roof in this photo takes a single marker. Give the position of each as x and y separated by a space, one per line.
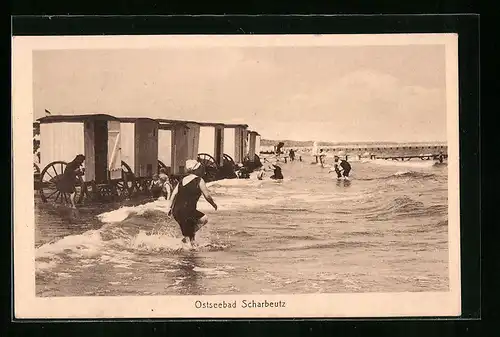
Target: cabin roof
135 119
210 124
173 121
76 118
236 125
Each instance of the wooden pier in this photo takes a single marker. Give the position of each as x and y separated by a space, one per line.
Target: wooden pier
440 157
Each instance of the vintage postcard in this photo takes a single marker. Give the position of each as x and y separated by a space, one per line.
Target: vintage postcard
236 176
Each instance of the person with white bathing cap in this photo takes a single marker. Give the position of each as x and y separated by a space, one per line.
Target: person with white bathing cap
185 199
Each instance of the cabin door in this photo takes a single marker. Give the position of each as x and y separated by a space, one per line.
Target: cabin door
114 151
101 151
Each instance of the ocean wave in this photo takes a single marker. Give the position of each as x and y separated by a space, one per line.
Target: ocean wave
403 174
340 244
402 207
122 213
117 242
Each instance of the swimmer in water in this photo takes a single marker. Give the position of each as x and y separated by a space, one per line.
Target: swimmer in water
185 199
341 167
278 175
260 174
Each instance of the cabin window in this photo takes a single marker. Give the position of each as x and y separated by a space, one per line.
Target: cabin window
181 169
149 170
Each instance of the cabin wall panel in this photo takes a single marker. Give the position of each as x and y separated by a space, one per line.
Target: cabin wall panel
114 150
230 138
207 140
251 146
219 144
146 148
89 151
240 145
60 142
245 135
127 143
165 146
257 145
193 141
181 149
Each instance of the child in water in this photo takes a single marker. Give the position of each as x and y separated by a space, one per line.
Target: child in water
166 186
341 167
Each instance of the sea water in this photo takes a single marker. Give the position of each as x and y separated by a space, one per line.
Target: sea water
384 231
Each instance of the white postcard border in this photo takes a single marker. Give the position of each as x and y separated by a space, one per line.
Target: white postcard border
27 305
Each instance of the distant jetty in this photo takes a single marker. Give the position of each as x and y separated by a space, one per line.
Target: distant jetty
383 150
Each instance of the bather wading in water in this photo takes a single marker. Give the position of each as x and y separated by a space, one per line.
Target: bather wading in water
185 199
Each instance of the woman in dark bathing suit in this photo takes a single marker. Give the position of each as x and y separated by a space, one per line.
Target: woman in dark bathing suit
185 199
278 175
67 183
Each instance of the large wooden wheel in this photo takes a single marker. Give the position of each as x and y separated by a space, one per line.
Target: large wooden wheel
210 166
50 185
125 187
161 165
228 169
228 160
257 161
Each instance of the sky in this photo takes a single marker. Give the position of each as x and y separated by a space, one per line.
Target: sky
325 93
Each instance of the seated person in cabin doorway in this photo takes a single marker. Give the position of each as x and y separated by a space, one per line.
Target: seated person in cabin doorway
67 183
185 199
166 183
166 186
341 167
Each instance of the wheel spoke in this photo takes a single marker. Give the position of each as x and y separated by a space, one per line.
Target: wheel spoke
51 194
49 175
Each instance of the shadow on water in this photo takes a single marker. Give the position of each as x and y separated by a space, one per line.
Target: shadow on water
188 276
342 182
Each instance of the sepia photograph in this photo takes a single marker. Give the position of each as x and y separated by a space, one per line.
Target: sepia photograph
236 176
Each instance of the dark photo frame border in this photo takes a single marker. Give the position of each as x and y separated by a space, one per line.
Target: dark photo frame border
467 28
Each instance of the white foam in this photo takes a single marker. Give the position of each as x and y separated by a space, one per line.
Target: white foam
144 241
86 245
210 271
122 213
